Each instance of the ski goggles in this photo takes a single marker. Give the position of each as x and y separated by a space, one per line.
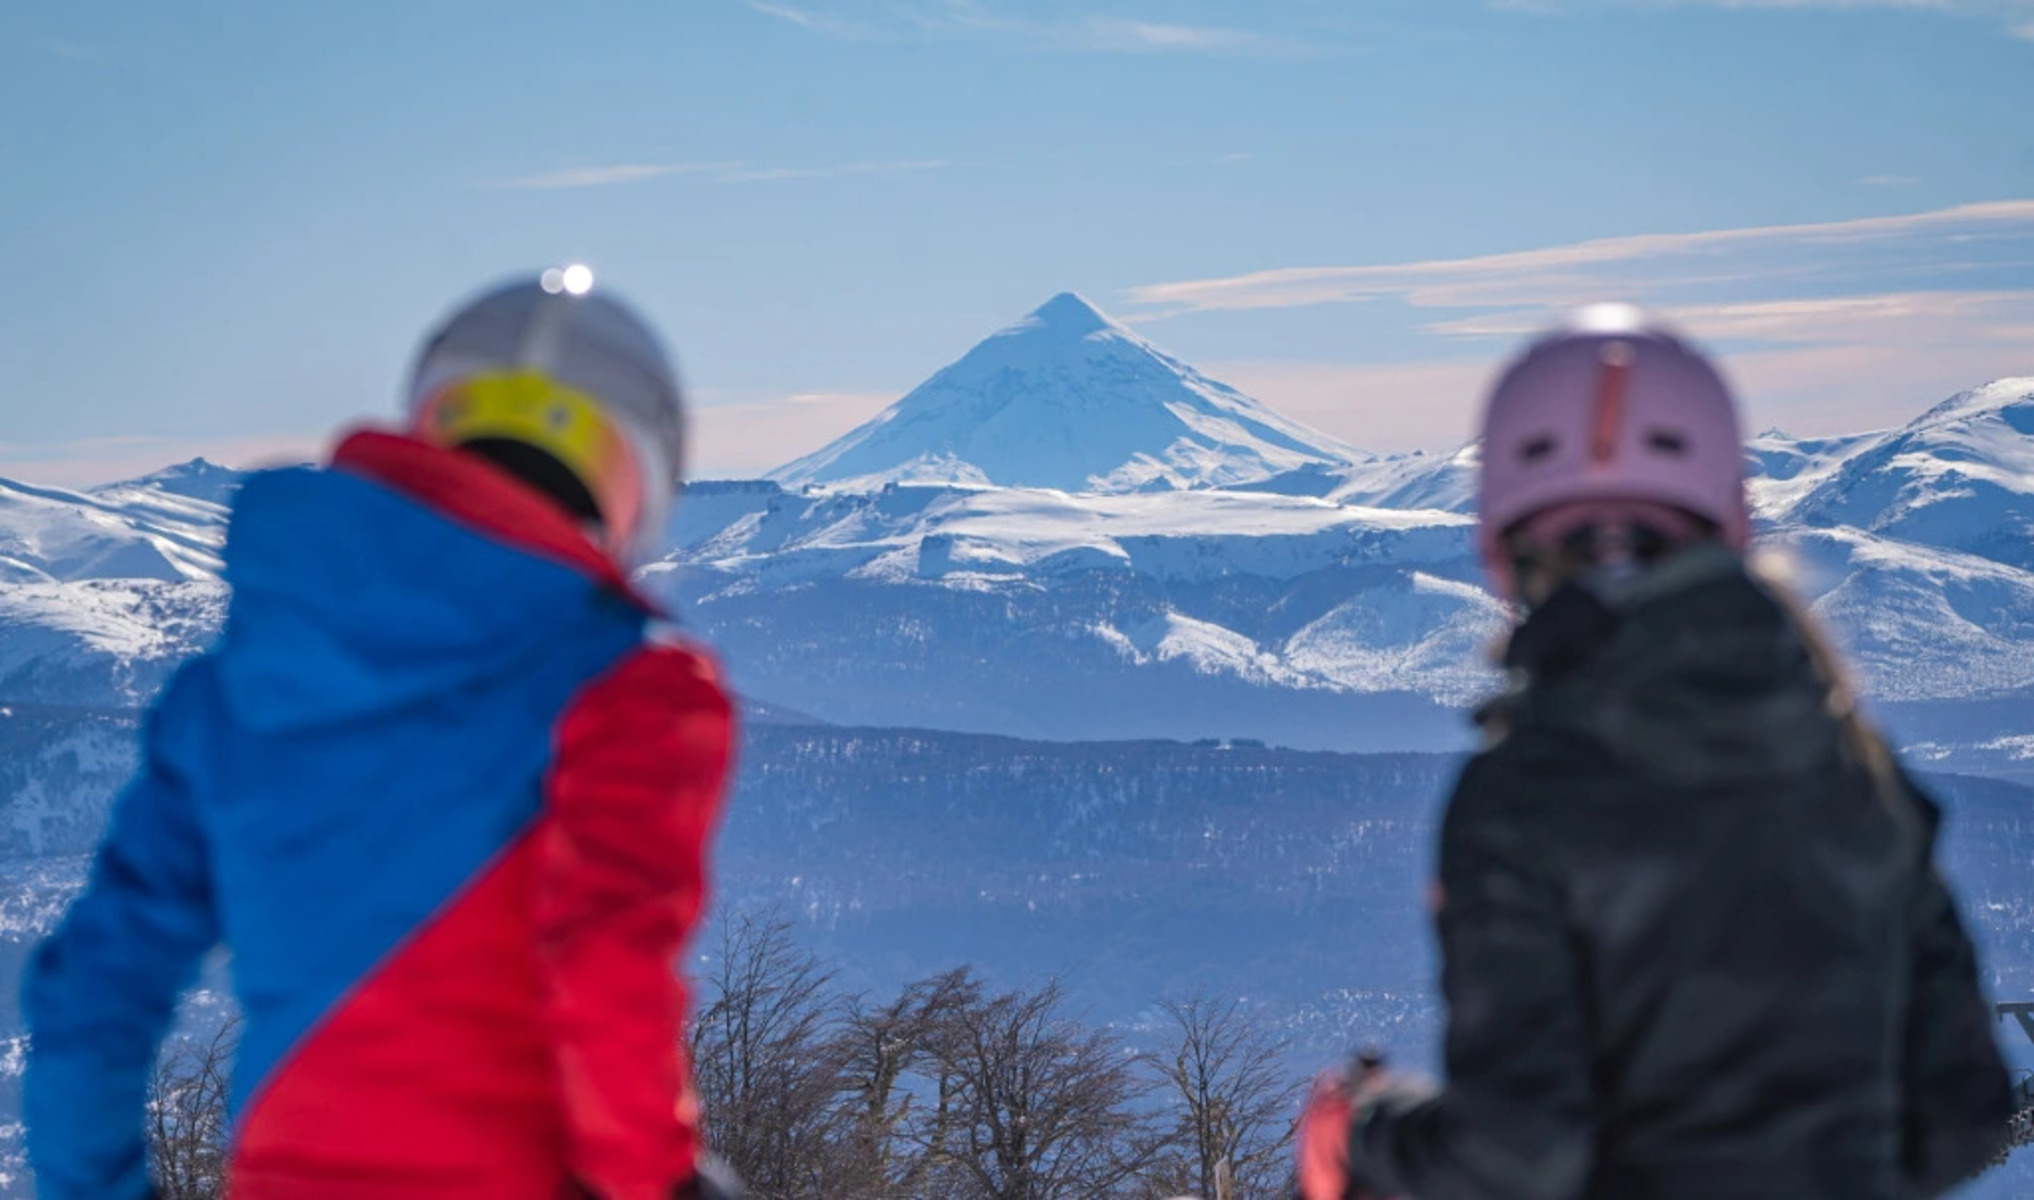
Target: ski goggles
531 408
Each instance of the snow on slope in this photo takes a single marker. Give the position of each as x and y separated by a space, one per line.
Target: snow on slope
1960 477
196 479
1919 622
101 643
103 593
1416 480
1067 398
1782 469
931 531
49 534
1415 629
1275 591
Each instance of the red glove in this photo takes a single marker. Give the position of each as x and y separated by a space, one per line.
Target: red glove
1324 1138
1340 1101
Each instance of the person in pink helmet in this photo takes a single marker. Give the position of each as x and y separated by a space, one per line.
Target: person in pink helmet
1693 942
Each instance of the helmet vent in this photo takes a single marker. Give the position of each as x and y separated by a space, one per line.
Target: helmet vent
1668 442
1537 450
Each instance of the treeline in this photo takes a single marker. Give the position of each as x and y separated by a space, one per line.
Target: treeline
950 1089
955 1089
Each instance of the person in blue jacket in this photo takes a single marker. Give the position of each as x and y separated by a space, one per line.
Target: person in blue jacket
443 789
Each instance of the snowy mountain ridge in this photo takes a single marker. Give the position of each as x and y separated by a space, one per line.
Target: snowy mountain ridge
1959 477
1269 607
136 530
1297 590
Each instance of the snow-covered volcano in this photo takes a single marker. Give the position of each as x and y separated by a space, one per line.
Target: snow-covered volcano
1067 398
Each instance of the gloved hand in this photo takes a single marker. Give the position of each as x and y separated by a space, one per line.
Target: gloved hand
1323 1143
1341 1102
715 1181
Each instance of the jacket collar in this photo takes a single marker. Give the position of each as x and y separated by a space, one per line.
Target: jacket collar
1588 612
477 494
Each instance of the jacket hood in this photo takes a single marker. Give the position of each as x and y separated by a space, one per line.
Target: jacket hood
1695 670
351 598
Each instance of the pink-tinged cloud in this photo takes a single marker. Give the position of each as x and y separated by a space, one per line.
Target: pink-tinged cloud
742 441
1916 318
1580 272
1806 390
1821 390
90 461
1793 308
1384 407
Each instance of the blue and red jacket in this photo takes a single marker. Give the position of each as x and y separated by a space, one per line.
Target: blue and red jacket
445 798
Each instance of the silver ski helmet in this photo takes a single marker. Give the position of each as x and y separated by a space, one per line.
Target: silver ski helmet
552 364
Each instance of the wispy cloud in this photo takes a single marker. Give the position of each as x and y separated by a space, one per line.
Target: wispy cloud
1631 266
827 23
1111 33
87 462
714 172
1093 33
1830 326
1971 7
1815 366
774 174
80 52
2014 12
1810 320
581 177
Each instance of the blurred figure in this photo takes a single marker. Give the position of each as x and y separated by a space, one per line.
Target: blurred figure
443 789
1693 941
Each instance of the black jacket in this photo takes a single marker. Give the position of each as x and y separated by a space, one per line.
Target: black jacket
1693 944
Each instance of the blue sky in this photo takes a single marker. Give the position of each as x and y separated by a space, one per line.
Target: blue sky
225 223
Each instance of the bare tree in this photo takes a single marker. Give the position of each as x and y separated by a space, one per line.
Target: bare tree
1030 1105
186 1115
767 1063
950 1091
884 1047
1236 1105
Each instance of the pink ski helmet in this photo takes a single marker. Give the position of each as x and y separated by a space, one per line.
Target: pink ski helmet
1611 409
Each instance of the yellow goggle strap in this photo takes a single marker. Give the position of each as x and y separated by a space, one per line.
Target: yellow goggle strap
528 407
531 408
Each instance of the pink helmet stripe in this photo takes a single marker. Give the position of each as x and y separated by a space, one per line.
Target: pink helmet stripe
1610 393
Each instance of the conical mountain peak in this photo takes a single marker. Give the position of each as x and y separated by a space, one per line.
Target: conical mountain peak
1067 398
1068 315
